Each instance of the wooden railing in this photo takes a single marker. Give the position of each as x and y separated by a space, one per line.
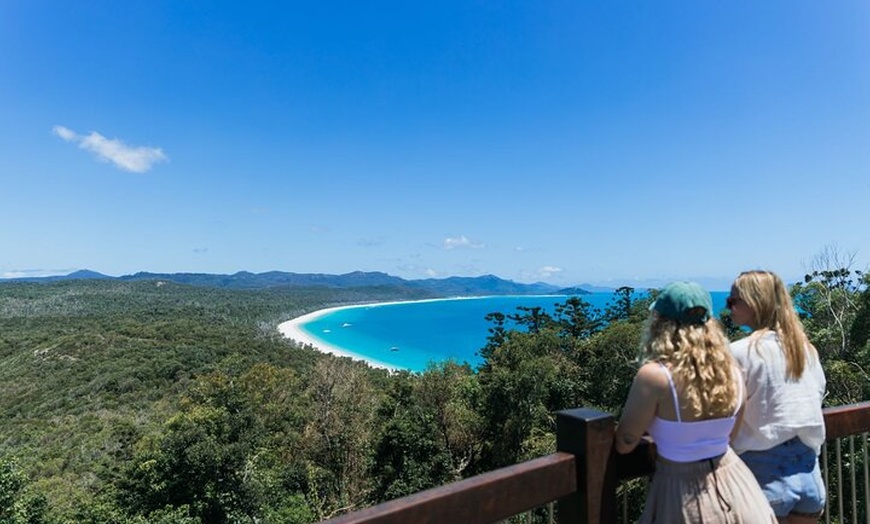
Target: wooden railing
582 477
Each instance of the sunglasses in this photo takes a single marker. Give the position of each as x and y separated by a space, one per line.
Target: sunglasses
730 301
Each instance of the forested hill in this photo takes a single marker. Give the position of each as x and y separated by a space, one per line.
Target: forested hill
452 286
151 401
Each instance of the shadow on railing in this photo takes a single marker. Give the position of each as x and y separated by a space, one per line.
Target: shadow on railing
585 474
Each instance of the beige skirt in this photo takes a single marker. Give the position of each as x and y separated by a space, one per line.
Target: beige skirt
718 490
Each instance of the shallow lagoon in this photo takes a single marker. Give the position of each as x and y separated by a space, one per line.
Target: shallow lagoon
410 335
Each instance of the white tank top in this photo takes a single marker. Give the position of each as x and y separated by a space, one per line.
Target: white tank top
680 441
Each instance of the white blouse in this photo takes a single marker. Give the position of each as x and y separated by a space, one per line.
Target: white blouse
778 409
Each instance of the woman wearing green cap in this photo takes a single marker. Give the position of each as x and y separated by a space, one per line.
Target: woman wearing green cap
688 395
783 429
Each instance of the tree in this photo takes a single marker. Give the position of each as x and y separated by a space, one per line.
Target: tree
407 457
607 363
550 363
859 332
338 436
17 505
827 300
449 392
577 318
523 382
210 458
621 306
534 319
430 430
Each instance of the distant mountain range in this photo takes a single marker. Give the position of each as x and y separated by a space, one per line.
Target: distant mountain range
451 286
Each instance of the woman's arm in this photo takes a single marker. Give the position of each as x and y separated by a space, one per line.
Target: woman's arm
738 420
736 429
640 407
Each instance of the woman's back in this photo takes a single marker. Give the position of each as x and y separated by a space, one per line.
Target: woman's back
683 436
686 396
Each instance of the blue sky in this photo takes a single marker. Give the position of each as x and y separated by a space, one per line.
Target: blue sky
565 141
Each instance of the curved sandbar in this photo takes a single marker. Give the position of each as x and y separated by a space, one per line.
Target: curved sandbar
293 329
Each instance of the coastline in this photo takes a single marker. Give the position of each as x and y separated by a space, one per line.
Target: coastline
292 329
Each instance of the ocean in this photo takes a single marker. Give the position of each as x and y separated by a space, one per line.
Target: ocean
410 335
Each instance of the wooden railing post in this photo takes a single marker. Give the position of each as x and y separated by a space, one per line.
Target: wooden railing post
588 434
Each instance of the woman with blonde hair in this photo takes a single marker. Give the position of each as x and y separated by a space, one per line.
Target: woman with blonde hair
687 395
783 428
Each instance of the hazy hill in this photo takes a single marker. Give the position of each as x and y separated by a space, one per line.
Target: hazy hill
574 291
83 274
452 286
483 285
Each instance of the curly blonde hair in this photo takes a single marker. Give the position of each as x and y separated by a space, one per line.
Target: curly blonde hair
773 310
700 361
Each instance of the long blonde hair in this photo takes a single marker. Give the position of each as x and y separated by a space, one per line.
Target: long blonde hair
700 362
772 310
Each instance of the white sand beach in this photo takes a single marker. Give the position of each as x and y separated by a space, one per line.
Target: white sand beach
291 329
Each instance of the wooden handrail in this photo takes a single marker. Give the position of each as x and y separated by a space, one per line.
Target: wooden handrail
488 497
582 476
851 419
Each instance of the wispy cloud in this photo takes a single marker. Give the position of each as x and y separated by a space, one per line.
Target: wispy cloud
31 273
370 242
134 159
548 271
461 243
543 272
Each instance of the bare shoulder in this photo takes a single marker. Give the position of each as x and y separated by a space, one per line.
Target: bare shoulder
640 406
652 376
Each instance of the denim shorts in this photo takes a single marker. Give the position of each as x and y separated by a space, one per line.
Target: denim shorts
790 477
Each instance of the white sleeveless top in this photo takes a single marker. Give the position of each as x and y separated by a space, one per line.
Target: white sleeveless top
680 441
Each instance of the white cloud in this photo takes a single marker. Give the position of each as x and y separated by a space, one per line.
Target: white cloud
64 133
135 159
461 243
548 271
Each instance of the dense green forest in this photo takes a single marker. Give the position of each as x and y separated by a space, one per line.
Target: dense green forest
157 402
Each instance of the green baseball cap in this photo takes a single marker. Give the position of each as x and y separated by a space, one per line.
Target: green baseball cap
685 302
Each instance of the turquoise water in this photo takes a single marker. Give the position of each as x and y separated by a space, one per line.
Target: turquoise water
409 335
